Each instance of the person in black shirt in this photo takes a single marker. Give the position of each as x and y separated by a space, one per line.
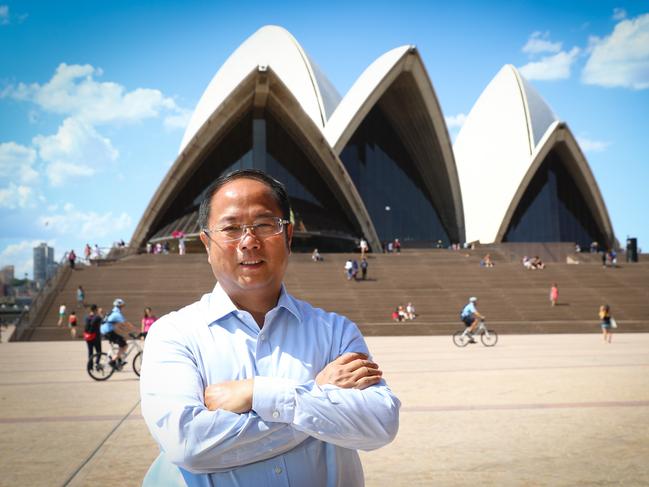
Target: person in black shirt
91 332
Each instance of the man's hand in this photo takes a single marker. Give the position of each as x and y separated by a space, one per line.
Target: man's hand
233 395
350 370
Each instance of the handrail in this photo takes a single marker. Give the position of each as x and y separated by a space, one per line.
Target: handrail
28 317
34 309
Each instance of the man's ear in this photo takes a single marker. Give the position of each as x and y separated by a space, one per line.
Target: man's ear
289 236
206 242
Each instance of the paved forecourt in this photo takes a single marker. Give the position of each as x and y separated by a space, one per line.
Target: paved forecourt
534 410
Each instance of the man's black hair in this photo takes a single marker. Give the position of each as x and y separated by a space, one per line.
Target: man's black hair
276 188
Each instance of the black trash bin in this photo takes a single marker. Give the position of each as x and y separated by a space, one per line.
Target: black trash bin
632 249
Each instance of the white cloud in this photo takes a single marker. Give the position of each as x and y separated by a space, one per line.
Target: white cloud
453 121
4 14
16 162
590 145
179 120
538 42
77 149
551 67
15 196
73 91
622 58
88 225
619 14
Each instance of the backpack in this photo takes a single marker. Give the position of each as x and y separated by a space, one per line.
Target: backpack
104 322
462 313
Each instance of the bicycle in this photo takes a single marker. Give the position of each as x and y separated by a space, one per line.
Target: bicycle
99 365
488 337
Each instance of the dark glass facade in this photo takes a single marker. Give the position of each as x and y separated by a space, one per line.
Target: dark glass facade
553 209
386 177
319 219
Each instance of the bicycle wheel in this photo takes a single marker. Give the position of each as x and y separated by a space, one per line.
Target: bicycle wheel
489 338
100 369
460 339
137 363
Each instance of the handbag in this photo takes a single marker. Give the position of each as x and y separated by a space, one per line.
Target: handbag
89 336
613 323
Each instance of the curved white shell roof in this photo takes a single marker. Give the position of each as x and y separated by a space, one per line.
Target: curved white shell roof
275 47
493 150
361 93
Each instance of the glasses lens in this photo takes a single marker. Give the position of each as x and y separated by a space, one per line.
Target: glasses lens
267 227
262 228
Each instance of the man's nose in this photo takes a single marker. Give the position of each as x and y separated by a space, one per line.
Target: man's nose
248 240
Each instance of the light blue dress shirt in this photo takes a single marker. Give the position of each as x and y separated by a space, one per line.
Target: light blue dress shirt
297 433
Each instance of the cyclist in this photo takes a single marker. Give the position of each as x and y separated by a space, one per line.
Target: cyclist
113 326
471 317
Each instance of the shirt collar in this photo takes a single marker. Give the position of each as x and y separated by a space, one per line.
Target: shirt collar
220 305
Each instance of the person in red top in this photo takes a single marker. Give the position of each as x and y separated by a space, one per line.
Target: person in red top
147 320
554 294
72 258
72 324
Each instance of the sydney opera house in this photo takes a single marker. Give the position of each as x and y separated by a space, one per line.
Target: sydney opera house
378 162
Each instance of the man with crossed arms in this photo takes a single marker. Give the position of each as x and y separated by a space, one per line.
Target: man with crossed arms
250 386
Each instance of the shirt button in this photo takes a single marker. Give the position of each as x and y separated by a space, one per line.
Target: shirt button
262 338
275 414
278 470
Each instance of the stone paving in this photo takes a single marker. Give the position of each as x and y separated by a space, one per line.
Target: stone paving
535 410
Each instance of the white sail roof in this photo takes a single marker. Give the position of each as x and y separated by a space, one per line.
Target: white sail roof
494 148
361 92
275 47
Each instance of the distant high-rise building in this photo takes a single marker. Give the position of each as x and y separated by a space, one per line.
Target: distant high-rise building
7 274
6 278
44 265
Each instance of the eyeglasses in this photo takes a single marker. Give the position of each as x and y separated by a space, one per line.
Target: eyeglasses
262 228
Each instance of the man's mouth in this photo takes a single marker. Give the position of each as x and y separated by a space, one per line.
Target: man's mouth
251 262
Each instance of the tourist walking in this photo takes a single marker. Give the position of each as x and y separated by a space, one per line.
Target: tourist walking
364 247
86 253
364 266
554 294
96 252
355 269
81 297
607 322
91 333
62 309
72 258
72 324
348 269
147 320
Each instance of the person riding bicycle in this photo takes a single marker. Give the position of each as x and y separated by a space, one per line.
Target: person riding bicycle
113 325
471 317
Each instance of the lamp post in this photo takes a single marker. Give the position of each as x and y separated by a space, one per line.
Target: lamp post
389 220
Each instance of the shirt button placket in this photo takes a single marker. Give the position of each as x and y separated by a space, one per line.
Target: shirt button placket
278 471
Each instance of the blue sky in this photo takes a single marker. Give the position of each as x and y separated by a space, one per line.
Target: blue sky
94 95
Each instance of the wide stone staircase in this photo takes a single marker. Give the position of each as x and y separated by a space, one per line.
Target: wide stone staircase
437 282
